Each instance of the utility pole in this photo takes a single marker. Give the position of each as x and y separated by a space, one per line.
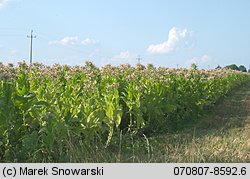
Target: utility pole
31 44
139 59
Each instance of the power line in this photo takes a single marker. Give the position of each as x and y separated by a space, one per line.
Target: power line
139 59
11 35
31 44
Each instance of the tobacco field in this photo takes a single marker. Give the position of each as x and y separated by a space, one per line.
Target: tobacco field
46 111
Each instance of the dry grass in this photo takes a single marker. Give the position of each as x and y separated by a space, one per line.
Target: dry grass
221 136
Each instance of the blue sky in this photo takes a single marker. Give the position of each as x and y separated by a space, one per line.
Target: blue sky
163 32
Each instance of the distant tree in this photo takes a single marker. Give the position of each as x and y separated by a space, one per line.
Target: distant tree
248 70
218 67
242 68
232 67
150 66
194 66
11 65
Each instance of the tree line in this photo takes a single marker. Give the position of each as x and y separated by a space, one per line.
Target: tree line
235 67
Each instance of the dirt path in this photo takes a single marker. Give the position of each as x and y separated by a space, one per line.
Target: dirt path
232 112
223 135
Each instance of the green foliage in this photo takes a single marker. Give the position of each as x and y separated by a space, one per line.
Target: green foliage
242 68
232 67
218 67
45 109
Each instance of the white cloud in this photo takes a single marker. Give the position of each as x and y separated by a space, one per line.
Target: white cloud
89 41
74 41
203 59
122 56
202 62
66 41
175 36
4 2
94 53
